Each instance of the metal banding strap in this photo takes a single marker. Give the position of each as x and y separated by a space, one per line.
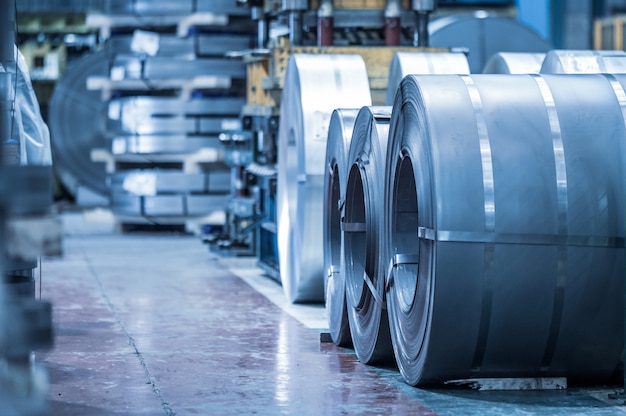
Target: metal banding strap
333 270
520 239
600 61
562 228
377 296
397 260
353 227
490 221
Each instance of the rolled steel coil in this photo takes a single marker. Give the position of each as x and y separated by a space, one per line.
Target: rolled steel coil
75 125
314 86
481 33
405 63
363 219
584 62
335 176
514 63
505 227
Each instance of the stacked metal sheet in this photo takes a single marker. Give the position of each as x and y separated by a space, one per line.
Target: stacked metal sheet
165 100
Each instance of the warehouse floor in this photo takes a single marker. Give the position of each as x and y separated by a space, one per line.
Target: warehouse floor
155 324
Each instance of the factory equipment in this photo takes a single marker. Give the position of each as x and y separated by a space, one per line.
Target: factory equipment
27 230
471 243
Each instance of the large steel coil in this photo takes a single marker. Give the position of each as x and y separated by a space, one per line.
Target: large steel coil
482 34
514 63
314 86
77 125
504 220
405 63
362 227
335 177
584 62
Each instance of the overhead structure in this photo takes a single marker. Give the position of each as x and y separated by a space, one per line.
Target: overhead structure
584 62
363 243
514 63
481 33
526 211
314 86
405 63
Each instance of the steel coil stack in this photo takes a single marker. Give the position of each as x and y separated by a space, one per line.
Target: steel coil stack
165 93
314 86
504 227
514 63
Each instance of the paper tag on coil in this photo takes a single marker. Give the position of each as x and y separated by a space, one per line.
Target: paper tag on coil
582 64
231 124
145 42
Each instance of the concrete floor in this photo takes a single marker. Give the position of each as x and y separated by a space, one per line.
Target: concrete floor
155 324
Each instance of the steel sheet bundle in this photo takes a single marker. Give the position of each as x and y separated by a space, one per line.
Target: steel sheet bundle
362 226
584 62
514 63
504 223
314 86
405 63
336 175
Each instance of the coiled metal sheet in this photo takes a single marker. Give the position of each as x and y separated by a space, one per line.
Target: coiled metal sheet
314 86
405 63
584 62
201 45
482 35
364 266
336 174
75 126
514 63
504 223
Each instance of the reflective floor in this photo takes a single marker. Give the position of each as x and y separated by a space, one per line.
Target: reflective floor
155 324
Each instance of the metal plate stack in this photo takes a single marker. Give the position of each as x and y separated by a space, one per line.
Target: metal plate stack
164 95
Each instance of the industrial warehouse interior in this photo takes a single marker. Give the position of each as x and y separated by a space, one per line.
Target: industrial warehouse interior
312 207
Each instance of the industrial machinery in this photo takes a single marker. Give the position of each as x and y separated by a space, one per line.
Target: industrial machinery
28 230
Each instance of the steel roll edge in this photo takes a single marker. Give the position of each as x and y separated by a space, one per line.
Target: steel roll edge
336 174
405 63
314 86
514 63
504 227
362 229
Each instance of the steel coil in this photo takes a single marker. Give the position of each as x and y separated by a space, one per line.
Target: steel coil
76 127
363 219
514 63
482 34
505 227
405 63
584 62
336 174
314 86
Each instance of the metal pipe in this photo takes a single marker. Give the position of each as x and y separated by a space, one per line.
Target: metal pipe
422 9
393 25
325 23
258 14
